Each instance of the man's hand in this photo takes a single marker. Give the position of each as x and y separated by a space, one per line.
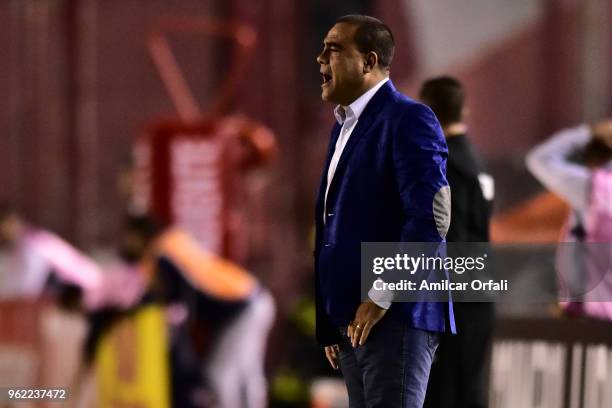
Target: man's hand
331 352
367 315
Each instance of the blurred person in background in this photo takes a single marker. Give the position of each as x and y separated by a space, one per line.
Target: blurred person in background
124 316
221 313
383 181
34 262
45 285
576 164
457 377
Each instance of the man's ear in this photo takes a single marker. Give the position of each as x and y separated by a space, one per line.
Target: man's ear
371 60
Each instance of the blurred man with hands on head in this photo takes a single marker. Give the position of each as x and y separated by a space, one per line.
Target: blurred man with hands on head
383 181
576 165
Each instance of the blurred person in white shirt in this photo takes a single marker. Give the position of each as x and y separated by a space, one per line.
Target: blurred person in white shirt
34 260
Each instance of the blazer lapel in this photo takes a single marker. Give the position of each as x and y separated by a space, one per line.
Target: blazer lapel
363 124
323 184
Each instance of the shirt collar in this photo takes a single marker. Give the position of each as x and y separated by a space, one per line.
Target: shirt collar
355 109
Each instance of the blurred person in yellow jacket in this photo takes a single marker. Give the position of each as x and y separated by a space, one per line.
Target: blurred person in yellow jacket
220 313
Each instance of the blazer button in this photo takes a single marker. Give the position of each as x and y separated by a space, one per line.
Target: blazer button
330 214
326 244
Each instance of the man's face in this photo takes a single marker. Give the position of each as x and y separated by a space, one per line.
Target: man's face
341 65
132 247
10 229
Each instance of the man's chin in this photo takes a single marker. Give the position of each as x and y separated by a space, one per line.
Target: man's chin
326 96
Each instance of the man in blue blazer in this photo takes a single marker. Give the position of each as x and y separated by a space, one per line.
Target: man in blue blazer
384 181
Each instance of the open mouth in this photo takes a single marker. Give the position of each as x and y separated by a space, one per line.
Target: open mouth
326 79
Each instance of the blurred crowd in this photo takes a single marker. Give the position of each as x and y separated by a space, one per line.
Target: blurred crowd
166 324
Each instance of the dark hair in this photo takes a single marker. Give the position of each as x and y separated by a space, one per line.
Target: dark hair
372 35
596 153
6 210
145 226
445 96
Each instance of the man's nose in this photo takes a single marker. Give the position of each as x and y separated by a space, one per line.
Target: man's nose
321 59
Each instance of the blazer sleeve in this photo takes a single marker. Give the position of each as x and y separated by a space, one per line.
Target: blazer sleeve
326 332
419 157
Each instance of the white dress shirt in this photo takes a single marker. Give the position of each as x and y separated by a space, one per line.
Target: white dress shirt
348 118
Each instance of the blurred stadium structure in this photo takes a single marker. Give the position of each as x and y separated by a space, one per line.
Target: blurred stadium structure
80 87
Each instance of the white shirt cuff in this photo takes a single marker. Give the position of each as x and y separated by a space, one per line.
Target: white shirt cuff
382 298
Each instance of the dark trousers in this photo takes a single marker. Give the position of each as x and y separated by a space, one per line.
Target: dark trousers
391 369
458 374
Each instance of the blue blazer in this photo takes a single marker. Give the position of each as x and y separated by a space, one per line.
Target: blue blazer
389 175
